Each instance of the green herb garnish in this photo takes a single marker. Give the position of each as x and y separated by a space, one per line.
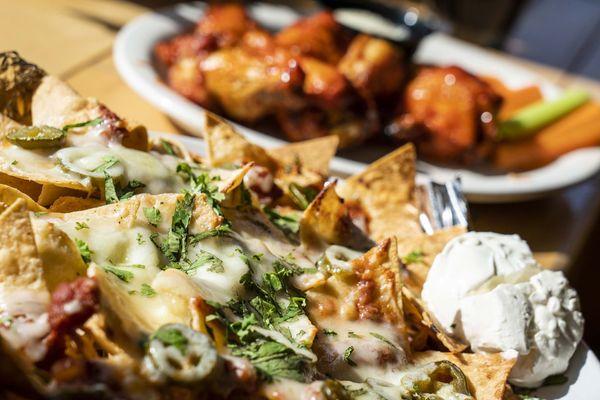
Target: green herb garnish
383 339
110 191
347 354
302 196
84 250
152 215
125 276
273 360
167 147
413 257
289 224
107 162
81 225
147 290
92 122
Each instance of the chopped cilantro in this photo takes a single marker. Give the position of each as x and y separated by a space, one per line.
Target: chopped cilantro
174 245
140 238
413 257
383 339
129 189
222 230
329 332
302 196
347 354
147 290
107 162
289 224
171 337
81 225
110 191
152 215
213 263
273 360
125 276
92 122
354 335
167 147
84 250
113 192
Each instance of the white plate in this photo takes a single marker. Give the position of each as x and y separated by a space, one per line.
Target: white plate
133 59
584 371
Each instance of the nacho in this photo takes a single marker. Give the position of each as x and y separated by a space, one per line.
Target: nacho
486 373
385 190
418 252
9 195
326 221
423 321
242 275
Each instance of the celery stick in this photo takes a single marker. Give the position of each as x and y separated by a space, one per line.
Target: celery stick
538 115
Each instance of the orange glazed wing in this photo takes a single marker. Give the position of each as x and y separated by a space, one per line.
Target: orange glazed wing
249 86
227 23
374 66
449 112
318 36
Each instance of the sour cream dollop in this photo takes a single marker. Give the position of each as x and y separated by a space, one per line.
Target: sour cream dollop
488 290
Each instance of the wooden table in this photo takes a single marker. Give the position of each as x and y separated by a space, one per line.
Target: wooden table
74 39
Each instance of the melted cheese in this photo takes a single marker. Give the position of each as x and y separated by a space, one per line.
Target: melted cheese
24 321
376 349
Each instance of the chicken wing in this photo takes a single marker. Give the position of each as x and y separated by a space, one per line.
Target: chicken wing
249 86
324 85
227 23
449 113
374 66
318 36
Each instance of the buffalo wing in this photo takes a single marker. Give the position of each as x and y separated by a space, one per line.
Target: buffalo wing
449 113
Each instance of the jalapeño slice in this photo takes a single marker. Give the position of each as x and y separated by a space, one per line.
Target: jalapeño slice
36 137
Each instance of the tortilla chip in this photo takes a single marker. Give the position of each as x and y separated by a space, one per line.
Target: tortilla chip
386 191
314 154
9 195
486 373
60 256
380 265
423 317
418 252
66 204
7 124
226 146
18 82
50 193
57 104
234 180
136 137
368 292
326 221
20 265
30 188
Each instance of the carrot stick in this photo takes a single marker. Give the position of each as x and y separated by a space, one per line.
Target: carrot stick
579 129
539 115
